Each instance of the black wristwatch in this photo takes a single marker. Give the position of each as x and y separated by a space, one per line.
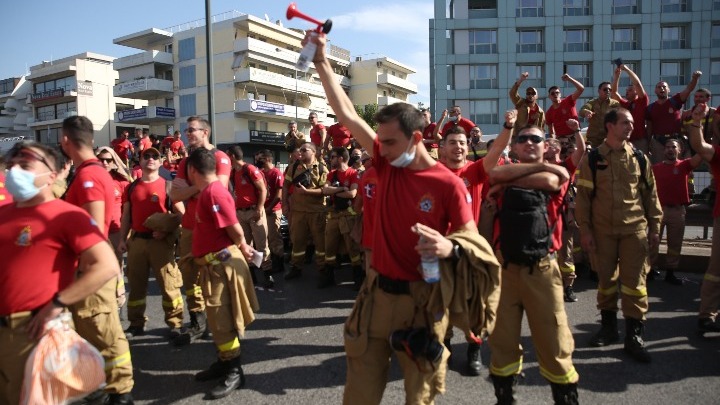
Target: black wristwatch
457 250
506 126
56 301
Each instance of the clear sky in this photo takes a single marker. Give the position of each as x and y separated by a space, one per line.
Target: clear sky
37 30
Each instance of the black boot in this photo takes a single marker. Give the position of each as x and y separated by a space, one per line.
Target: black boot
252 274
473 359
216 370
327 277
504 389
634 344
232 380
278 263
196 329
569 294
671 278
358 277
294 272
707 325
269 281
120 399
608 333
653 274
564 394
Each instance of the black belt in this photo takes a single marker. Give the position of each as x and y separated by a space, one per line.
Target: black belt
143 235
5 320
395 287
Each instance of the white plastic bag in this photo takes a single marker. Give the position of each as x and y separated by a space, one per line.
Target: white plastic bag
62 367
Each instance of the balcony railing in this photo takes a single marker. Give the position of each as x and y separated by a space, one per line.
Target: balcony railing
145 89
143 58
276 79
390 80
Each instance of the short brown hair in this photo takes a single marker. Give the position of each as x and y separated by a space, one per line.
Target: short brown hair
79 130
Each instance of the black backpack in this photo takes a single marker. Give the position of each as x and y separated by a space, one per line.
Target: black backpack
339 203
525 230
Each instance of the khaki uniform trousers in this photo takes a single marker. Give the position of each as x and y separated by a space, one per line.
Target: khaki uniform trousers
97 320
302 224
15 348
190 273
673 221
566 256
256 232
710 290
275 241
538 291
623 258
337 229
160 255
368 364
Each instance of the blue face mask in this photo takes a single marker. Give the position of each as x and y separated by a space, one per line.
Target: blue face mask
21 184
406 157
453 118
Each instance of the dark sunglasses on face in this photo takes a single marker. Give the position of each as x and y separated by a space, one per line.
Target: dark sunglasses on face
106 160
532 138
607 89
148 156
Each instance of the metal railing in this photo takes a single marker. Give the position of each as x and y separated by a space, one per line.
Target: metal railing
228 15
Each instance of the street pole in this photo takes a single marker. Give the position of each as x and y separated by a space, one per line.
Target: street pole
296 95
210 68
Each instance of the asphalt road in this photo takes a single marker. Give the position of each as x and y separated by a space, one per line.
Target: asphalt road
293 354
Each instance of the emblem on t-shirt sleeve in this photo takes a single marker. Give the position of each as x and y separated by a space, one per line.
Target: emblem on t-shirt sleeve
88 184
426 203
25 237
216 208
468 198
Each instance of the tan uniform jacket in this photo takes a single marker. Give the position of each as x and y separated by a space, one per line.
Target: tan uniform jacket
308 203
623 204
524 110
596 129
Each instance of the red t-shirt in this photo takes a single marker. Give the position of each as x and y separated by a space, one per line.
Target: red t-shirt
175 146
428 134
215 211
368 188
433 197
39 247
316 136
666 117
147 198
672 182
172 167
121 147
533 113
715 170
346 178
222 167
93 183
5 196
474 176
145 143
463 122
246 194
340 135
119 184
637 109
557 116
136 172
274 179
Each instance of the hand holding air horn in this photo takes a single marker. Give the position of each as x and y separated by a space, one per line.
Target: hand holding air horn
308 51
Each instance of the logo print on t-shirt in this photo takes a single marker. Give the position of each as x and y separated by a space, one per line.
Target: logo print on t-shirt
370 190
154 198
426 203
25 238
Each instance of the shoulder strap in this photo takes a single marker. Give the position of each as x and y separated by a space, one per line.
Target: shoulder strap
593 157
642 161
130 189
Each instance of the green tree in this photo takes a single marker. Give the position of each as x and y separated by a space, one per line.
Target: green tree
367 112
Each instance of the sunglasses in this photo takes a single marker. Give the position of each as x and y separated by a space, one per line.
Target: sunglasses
532 138
190 130
148 156
607 89
531 94
106 160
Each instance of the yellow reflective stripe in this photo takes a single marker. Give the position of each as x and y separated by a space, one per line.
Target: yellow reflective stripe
117 361
319 253
351 211
174 303
635 292
298 253
194 290
330 258
136 303
673 252
570 377
567 269
121 283
510 369
355 259
577 249
711 277
230 346
585 183
608 291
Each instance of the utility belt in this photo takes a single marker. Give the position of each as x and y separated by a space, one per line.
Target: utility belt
348 210
549 256
10 321
395 287
214 258
142 235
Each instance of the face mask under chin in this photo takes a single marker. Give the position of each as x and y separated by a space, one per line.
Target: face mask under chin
406 157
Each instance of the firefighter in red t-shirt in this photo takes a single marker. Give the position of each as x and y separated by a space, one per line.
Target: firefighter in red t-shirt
318 133
561 110
273 207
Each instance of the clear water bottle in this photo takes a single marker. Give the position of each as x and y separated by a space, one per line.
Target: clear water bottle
306 55
430 268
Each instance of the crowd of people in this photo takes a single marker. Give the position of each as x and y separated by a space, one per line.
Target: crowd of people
441 229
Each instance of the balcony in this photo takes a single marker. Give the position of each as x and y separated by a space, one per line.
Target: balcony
48 71
275 55
145 89
387 100
259 108
386 79
49 119
145 39
55 95
146 115
343 80
275 79
143 58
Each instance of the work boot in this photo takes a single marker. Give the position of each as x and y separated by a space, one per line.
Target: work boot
653 274
670 278
473 359
134 331
194 330
120 399
707 325
309 254
634 344
327 277
608 333
564 394
294 272
504 389
216 370
358 277
252 274
269 280
569 294
233 379
278 263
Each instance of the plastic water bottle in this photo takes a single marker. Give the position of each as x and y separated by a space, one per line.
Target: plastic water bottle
430 268
306 56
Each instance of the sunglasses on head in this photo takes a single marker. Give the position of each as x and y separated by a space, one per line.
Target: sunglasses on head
29 154
148 156
532 138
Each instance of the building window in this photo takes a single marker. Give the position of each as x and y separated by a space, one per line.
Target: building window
674 6
186 49
484 111
252 125
66 83
624 39
483 77
530 41
573 8
187 77
46 113
577 40
715 71
535 75
715 35
187 105
624 79
170 102
482 8
65 110
529 8
673 73
716 5
49 136
580 72
625 7
673 37
483 42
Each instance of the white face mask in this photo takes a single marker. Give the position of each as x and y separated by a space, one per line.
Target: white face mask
20 184
453 118
406 157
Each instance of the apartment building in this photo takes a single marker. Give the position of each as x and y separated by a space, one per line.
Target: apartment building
14 111
479 48
380 80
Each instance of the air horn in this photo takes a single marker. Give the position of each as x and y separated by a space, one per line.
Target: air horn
308 51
